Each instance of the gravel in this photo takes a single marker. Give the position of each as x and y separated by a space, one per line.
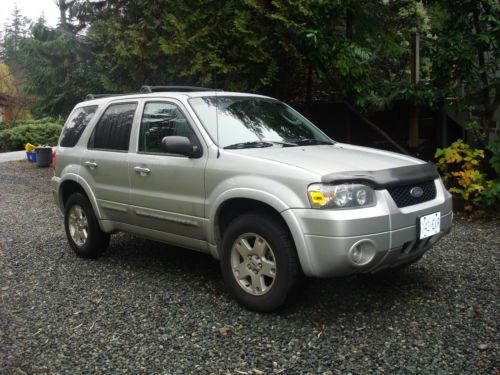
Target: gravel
150 308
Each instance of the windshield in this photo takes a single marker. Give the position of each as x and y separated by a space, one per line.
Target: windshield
255 122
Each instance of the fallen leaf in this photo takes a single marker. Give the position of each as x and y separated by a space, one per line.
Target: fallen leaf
413 330
224 330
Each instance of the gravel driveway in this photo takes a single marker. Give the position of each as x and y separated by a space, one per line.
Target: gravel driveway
149 308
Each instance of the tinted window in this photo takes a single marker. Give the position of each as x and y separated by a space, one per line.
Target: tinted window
76 124
112 132
160 120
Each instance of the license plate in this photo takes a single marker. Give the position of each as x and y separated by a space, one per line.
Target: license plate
430 225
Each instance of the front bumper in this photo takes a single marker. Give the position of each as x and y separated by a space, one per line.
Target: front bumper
389 232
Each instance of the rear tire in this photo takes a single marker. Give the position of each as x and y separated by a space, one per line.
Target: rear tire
82 228
259 261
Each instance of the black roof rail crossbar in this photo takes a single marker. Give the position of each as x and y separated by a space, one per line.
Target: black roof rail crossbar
149 89
98 96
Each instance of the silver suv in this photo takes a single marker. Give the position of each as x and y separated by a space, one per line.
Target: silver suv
246 179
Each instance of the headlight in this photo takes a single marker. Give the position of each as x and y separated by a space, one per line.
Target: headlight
340 196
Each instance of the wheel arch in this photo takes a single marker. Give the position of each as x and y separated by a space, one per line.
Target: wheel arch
234 207
72 184
235 204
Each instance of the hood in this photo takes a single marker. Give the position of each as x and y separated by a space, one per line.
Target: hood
340 157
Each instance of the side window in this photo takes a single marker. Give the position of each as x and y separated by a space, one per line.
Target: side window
112 132
76 124
160 120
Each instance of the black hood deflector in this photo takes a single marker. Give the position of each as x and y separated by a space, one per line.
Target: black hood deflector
386 178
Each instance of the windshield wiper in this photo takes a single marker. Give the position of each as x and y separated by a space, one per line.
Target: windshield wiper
284 144
313 141
255 144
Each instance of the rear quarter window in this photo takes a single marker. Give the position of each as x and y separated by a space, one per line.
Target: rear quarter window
76 124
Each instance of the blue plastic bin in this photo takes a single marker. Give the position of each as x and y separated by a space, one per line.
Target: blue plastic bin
31 157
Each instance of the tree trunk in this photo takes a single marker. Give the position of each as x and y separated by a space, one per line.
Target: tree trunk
413 136
348 23
487 115
63 8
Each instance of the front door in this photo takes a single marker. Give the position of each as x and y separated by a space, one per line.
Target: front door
168 191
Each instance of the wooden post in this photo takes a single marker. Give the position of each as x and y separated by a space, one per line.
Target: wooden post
443 125
309 88
347 125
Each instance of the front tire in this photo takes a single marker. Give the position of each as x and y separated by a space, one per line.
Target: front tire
259 262
82 228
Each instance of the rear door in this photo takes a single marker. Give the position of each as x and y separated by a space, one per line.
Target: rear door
168 191
104 164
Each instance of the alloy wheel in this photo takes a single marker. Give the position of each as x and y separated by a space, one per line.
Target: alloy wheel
78 225
253 264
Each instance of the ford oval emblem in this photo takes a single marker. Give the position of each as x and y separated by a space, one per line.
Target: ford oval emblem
416 192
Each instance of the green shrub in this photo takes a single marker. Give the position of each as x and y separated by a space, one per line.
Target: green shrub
494 147
14 139
463 172
459 165
490 199
44 120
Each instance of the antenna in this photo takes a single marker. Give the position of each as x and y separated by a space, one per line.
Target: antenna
217 116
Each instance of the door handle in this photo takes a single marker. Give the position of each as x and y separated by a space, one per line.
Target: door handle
142 170
90 164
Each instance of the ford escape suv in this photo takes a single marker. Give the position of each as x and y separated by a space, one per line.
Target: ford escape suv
246 179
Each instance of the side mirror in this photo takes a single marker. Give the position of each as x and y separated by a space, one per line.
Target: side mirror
175 144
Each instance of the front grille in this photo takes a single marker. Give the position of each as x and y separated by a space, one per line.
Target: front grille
403 198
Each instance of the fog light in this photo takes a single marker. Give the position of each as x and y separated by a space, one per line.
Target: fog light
357 254
362 252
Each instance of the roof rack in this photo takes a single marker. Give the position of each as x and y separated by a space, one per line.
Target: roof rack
149 89
98 96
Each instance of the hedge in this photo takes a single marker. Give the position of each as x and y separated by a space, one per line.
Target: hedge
40 120
14 139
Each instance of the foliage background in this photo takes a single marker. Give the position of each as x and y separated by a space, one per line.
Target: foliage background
356 51
361 53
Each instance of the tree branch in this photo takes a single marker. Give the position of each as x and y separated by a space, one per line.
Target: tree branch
377 129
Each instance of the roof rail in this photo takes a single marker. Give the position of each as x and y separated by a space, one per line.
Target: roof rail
98 96
149 89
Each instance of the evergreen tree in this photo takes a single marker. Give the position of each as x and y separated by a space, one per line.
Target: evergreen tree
15 31
59 68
